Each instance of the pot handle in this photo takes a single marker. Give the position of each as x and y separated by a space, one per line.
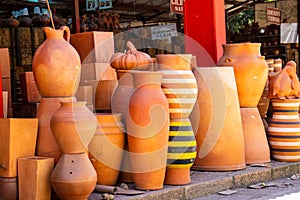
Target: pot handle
229 60
67 33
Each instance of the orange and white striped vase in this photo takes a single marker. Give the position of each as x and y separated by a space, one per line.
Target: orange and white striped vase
284 130
180 87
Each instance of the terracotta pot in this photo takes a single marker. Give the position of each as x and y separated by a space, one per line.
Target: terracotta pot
74 177
122 93
103 94
179 83
148 130
255 138
56 65
73 126
250 69
8 188
215 118
284 130
35 172
181 152
108 140
126 175
46 143
17 140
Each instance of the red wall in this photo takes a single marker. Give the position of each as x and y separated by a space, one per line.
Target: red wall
205 30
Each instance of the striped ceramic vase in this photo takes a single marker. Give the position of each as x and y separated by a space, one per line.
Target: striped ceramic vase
179 83
181 152
180 87
284 130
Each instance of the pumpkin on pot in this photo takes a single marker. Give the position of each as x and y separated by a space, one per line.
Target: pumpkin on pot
132 59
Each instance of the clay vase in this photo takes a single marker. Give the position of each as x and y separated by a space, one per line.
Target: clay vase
179 83
122 93
46 143
8 188
56 65
255 138
108 140
73 126
250 69
148 130
284 130
74 177
215 118
181 152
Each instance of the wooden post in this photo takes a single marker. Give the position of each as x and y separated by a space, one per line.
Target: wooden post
1 98
75 17
204 26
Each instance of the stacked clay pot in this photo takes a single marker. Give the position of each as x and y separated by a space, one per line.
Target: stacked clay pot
180 88
251 74
56 67
284 126
147 125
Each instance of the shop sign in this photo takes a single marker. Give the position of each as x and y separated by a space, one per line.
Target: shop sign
98 4
273 15
176 6
163 31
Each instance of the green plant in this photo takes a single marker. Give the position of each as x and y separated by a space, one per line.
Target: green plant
237 22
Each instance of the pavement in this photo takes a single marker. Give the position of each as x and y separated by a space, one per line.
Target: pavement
205 183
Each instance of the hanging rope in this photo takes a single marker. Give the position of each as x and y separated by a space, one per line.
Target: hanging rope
50 14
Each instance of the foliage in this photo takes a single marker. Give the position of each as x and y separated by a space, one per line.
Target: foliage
240 20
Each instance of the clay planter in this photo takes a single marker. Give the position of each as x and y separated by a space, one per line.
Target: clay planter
73 126
181 152
122 93
108 140
284 130
46 143
148 130
256 143
17 139
34 172
103 94
8 188
250 69
215 118
56 65
179 83
74 177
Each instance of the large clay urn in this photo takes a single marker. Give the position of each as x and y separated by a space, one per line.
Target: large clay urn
250 70
148 130
284 130
56 65
216 121
74 177
73 126
108 140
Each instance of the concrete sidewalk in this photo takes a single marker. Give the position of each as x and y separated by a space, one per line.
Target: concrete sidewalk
207 183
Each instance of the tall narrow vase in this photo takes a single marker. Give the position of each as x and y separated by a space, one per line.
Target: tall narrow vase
148 130
284 130
180 87
216 121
